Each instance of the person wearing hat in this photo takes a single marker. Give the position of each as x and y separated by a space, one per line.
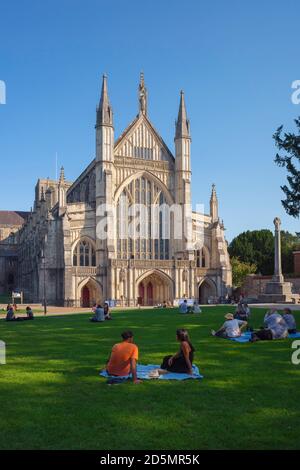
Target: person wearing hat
232 327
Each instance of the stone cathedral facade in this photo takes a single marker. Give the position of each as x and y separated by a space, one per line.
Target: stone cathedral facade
60 255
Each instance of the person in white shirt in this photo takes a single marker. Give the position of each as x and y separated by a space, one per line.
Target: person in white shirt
196 308
275 327
232 328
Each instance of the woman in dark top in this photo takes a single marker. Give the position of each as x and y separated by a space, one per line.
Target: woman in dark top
182 361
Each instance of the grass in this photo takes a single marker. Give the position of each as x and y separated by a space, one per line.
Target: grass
53 398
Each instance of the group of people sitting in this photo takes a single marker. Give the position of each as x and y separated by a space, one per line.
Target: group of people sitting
10 314
101 313
185 308
124 356
275 326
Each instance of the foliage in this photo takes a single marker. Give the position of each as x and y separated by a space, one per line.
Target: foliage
240 270
290 144
257 248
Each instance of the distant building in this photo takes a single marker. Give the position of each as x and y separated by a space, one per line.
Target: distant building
10 224
80 269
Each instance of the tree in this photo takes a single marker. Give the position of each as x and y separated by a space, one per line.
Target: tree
255 247
290 143
240 270
289 243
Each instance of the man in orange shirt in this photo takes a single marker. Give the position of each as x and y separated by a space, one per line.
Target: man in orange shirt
124 357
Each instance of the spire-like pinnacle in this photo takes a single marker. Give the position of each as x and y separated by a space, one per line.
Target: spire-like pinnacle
42 195
142 95
214 204
62 176
182 123
104 110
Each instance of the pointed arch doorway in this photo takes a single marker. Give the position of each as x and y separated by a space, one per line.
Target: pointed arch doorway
85 296
207 291
90 292
154 288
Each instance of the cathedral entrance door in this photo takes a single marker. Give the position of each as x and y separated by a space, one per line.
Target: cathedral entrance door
150 293
85 295
207 291
155 288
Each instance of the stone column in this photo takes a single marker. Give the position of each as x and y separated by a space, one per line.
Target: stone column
278 277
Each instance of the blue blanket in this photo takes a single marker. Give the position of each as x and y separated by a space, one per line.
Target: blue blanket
245 338
143 373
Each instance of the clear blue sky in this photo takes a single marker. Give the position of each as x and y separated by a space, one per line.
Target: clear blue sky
235 60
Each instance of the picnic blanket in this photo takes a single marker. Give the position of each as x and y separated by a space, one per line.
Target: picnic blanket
245 337
143 373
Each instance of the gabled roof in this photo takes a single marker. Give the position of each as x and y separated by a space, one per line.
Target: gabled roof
149 139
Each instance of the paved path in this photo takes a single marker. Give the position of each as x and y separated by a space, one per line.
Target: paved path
56 311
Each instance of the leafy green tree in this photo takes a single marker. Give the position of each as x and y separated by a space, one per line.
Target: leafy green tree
290 144
289 243
255 247
240 270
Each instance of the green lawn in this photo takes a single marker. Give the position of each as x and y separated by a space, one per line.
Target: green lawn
52 396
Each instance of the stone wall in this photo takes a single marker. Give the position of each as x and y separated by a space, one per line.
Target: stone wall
254 285
296 262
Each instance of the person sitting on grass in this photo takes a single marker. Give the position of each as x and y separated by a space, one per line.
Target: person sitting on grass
289 320
123 358
240 313
10 315
232 328
196 308
99 314
29 313
183 307
182 361
275 328
107 315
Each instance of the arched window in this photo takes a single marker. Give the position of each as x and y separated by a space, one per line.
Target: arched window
149 240
84 254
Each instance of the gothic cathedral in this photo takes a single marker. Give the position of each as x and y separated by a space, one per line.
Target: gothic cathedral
59 246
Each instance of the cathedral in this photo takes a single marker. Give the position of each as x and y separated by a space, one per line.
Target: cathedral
61 255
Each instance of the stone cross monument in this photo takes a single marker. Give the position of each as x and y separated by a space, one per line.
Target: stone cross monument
278 277
277 290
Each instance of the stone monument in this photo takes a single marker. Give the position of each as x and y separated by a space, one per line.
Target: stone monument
277 290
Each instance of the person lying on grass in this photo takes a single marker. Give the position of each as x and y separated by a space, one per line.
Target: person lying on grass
182 361
123 358
275 328
232 328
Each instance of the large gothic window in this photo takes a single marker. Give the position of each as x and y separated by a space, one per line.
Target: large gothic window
147 242
84 254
